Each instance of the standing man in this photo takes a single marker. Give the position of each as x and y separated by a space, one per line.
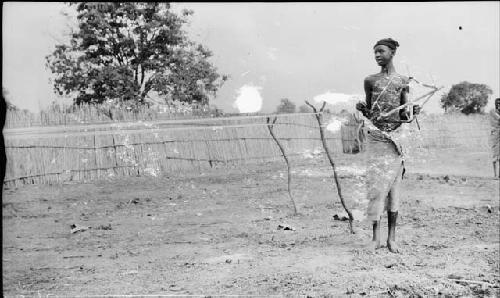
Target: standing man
495 137
385 91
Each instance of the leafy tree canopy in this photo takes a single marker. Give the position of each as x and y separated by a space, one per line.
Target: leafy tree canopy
123 50
466 97
10 106
305 109
285 107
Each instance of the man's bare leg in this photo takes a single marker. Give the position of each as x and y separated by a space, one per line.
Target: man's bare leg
391 237
376 235
392 214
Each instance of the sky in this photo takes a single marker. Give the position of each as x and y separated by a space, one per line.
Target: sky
289 50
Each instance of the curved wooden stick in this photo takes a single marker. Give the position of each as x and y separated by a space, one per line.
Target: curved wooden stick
319 117
411 103
270 127
429 94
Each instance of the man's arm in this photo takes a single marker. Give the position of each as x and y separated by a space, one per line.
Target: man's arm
365 107
404 114
368 93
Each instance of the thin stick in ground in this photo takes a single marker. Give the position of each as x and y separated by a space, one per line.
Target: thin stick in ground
270 127
319 118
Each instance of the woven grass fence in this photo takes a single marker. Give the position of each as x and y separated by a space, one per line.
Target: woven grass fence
154 150
91 114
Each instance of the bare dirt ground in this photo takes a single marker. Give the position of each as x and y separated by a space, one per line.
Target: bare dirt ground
217 233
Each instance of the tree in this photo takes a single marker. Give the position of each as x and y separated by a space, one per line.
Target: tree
123 50
466 97
285 107
10 106
305 109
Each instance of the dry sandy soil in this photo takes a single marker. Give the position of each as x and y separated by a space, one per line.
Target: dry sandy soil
217 233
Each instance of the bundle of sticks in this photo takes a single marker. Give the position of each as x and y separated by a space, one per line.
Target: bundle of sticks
412 103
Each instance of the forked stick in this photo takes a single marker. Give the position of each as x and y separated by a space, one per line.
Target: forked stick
270 127
429 95
319 117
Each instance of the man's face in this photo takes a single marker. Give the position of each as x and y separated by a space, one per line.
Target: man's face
497 106
383 55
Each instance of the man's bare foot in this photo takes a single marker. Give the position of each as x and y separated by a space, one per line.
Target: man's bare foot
392 246
373 245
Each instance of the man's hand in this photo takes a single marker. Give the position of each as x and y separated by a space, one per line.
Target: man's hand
416 109
404 115
361 106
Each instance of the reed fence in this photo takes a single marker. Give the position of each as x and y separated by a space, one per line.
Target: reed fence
91 114
79 153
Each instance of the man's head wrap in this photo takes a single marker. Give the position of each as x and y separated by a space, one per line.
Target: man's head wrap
391 43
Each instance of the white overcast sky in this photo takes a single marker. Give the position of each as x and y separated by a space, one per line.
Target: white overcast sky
293 50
